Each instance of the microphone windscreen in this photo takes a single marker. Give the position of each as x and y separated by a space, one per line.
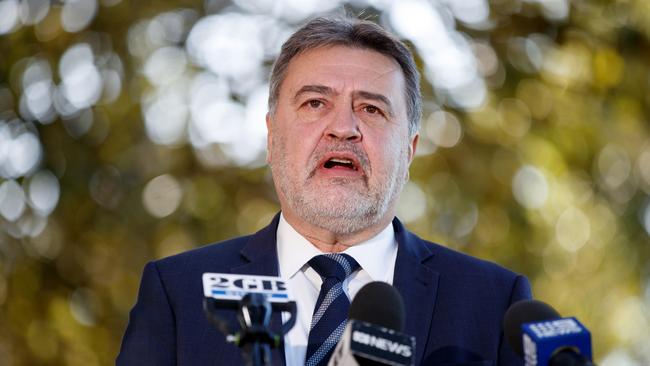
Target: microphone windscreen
379 303
521 312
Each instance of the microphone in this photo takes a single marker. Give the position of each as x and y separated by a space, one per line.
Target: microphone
373 335
538 333
254 298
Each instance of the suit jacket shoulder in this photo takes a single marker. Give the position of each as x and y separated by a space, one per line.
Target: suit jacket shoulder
167 325
455 303
483 272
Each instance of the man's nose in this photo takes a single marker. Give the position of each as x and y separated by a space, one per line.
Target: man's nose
344 126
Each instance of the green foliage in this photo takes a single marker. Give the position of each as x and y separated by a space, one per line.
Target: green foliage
548 174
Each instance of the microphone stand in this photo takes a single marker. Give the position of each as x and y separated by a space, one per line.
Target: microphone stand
254 316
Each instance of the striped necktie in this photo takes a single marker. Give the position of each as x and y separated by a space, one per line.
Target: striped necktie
331 311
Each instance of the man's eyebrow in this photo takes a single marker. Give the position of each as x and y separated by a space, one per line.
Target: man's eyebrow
319 89
374 96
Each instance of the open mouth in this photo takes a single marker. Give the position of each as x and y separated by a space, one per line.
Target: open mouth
340 163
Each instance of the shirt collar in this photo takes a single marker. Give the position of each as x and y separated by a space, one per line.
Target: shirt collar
374 254
294 251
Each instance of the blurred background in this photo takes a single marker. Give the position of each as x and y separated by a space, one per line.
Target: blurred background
133 130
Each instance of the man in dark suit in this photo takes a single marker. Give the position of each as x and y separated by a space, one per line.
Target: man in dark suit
344 114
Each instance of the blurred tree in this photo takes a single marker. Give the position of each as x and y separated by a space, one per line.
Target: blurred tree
130 131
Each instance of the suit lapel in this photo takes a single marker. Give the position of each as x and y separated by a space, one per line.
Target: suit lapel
261 257
417 283
260 253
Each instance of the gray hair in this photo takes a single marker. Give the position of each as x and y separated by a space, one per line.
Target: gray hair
352 32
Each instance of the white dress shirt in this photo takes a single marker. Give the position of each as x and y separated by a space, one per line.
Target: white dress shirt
376 257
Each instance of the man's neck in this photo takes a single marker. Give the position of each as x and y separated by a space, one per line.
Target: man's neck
330 242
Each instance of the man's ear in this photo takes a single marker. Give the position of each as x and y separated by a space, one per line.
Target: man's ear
269 137
413 146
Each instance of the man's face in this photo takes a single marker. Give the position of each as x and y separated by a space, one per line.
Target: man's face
339 146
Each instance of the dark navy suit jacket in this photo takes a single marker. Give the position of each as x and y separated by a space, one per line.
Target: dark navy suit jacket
454 303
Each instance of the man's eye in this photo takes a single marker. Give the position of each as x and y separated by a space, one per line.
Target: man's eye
315 103
372 109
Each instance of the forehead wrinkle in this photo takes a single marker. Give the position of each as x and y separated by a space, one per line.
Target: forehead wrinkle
314 88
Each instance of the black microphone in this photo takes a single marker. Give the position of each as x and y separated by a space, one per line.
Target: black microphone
538 333
380 304
373 335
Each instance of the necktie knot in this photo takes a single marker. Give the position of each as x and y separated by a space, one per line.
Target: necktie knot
334 265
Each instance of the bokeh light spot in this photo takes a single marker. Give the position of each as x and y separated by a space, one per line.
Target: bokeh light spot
162 196
466 221
573 229
220 121
487 60
444 129
412 203
77 14
530 187
166 117
83 306
31 225
33 11
629 321
12 200
450 63
165 65
554 9
227 44
112 86
248 146
567 65
618 357
81 80
43 192
8 16
38 100
415 18
23 155
614 166
470 11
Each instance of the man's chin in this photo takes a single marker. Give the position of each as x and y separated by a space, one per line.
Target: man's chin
338 190
345 223
339 214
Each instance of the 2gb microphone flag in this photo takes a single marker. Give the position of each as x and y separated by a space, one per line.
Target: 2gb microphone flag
226 286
